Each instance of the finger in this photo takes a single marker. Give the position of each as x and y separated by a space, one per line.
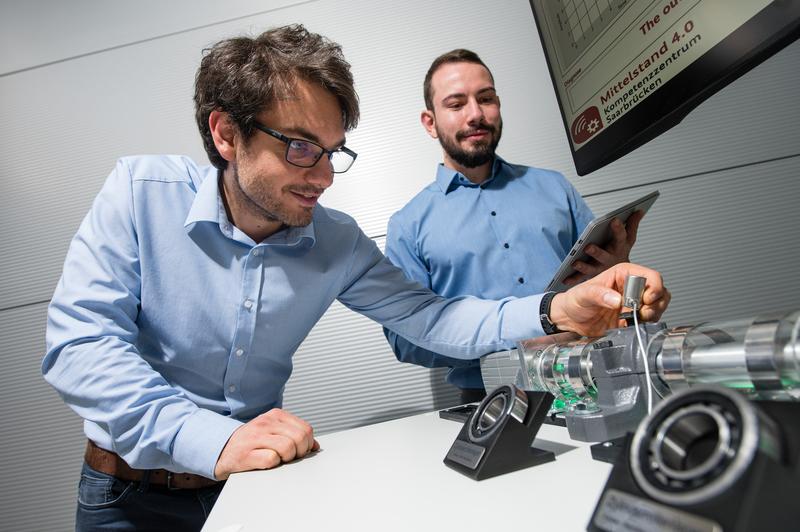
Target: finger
653 312
315 446
612 299
601 255
618 229
620 272
303 438
260 459
284 446
650 313
300 435
293 427
574 279
599 297
310 443
585 268
654 290
632 226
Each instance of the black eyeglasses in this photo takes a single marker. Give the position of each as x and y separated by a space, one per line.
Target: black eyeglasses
305 154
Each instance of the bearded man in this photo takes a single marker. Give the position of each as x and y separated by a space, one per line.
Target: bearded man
485 227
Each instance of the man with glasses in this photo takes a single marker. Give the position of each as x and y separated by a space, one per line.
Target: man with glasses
188 288
485 227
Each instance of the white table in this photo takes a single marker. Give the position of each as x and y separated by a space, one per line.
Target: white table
390 476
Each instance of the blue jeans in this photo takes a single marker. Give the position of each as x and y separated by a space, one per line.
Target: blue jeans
107 503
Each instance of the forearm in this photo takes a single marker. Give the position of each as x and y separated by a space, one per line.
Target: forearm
149 423
464 328
411 353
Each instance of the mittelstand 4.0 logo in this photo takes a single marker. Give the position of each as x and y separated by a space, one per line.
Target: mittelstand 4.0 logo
586 125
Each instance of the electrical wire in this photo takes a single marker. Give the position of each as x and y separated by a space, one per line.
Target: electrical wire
644 358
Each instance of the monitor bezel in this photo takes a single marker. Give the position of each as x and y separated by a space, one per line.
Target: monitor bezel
770 30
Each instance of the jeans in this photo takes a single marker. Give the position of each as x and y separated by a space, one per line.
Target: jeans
107 503
472 395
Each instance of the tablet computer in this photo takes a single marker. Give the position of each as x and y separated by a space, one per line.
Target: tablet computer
597 232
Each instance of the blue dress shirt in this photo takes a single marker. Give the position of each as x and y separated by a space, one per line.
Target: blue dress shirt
170 327
504 237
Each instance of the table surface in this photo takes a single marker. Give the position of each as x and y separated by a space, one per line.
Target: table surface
390 476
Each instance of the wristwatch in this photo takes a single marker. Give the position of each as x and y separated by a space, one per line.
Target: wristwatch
544 314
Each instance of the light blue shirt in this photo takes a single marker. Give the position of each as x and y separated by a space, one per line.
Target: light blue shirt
504 237
170 327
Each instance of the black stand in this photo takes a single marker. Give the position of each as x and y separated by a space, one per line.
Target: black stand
764 497
609 451
496 439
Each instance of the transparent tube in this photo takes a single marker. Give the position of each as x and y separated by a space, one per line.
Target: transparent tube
563 369
757 356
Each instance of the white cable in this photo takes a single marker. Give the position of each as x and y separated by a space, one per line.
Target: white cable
644 358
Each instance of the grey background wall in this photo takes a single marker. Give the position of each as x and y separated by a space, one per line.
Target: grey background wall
86 81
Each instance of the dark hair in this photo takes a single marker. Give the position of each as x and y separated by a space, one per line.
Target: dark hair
243 76
459 55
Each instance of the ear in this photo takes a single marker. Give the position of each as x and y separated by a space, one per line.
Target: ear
224 134
428 120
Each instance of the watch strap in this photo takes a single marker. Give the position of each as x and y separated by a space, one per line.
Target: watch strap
544 314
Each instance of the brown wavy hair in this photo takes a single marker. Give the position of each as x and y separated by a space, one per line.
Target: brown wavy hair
244 76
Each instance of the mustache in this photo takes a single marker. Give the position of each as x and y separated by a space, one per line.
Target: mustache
461 135
306 190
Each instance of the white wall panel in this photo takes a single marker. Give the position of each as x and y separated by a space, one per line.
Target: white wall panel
38 32
42 440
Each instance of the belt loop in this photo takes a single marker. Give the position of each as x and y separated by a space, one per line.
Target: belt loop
169 481
144 484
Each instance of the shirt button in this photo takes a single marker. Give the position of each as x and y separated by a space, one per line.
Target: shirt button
520 280
248 304
505 245
257 252
232 388
239 352
494 213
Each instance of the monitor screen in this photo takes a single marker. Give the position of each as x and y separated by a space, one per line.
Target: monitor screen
625 71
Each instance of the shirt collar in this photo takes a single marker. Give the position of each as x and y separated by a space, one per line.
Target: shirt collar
207 201
209 207
449 179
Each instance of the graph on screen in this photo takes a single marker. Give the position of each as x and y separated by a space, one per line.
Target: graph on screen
577 24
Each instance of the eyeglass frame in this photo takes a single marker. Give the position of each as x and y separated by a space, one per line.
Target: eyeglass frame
288 140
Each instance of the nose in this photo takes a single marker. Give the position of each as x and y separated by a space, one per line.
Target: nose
474 111
321 174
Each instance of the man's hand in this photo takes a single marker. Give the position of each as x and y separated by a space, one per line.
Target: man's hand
616 252
593 307
265 442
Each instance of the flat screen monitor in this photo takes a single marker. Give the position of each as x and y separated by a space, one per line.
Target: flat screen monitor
625 71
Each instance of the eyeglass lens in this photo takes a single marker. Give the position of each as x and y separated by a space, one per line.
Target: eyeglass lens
307 154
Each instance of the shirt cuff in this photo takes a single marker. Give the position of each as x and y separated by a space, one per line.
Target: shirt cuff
521 319
201 440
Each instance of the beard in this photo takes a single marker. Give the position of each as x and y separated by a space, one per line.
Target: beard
481 153
261 198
